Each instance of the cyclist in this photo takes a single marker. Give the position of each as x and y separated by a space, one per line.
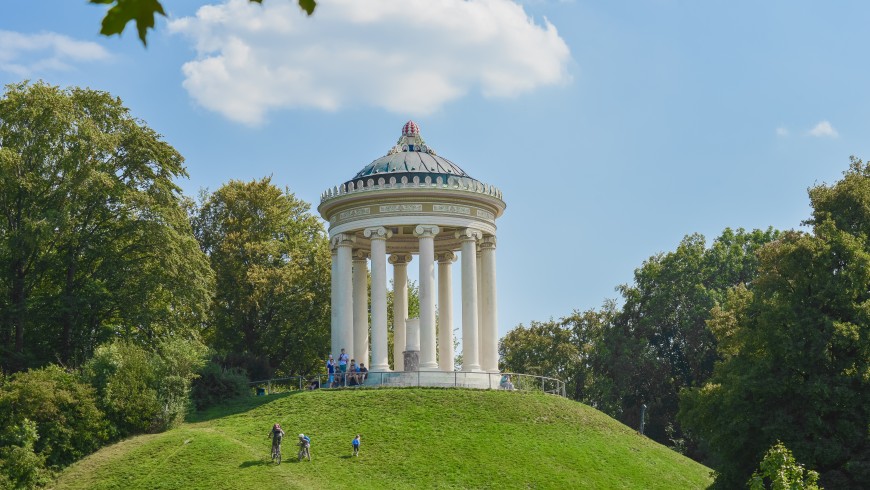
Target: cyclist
304 447
277 434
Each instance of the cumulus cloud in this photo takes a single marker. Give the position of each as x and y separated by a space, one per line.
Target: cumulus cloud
407 56
26 54
823 130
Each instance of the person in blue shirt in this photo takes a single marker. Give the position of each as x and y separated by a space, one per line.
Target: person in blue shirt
330 368
356 441
342 361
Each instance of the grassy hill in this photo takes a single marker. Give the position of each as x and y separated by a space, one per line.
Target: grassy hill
411 438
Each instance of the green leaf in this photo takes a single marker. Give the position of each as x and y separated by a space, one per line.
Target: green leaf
306 5
123 11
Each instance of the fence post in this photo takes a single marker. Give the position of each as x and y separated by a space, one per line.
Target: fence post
300 382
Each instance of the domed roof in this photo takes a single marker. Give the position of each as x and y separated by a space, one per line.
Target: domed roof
411 157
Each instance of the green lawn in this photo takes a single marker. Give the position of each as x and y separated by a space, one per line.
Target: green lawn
411 438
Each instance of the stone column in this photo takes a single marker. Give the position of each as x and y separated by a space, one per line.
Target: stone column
378 236
445 311
426 234
333 298
489 330
344 292
360 308
469 239
400 306
480 310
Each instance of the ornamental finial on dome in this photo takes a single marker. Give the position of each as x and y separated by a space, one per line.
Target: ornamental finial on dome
411 140
410 129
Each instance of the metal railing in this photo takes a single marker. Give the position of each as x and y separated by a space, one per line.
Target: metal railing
442 379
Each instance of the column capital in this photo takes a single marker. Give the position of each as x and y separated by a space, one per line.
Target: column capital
422 231
468 234
488 242
377 233
445 257
342 240
360 255
400 259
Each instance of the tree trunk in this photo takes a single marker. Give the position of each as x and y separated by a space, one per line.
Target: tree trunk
18 302
66 318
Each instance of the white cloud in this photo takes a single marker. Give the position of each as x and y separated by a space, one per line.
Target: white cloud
782 131
407 56
27 54
823 129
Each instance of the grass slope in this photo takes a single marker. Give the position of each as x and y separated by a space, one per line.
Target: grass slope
411 438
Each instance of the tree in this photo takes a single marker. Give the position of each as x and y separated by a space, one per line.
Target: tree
660 342
272 264
797 362
69 425
780 469
94 242
560 349
142 12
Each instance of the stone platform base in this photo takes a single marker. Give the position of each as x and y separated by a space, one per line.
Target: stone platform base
438 379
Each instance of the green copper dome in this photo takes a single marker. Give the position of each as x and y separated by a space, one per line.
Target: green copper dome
410 158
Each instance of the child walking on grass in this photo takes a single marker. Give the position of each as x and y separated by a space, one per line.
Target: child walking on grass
356 445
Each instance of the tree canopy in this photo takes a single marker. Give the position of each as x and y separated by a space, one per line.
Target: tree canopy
94 240
272 265
797 360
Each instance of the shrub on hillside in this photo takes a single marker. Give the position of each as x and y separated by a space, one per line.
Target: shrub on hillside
779 471
144 391
217 384
69 425
20 466
125 379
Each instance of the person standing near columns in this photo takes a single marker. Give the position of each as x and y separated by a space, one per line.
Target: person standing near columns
469 238
426 234
489 330
343 292
400 306
445 311
378 236
360 307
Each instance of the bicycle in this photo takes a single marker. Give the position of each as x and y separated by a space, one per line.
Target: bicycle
276 452
304 452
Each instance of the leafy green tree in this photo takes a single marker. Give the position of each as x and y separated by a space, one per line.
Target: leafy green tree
272 264
559 349
779 471
142 12
660 342
796 362
20 466
69 425
94 242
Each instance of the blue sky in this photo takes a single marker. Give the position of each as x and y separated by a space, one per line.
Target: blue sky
641 121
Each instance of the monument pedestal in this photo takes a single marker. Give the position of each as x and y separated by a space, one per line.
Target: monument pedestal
412 360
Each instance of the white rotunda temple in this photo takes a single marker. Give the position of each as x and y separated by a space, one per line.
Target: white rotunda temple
412 202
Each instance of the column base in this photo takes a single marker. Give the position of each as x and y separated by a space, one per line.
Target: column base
430 368
471 369
383 368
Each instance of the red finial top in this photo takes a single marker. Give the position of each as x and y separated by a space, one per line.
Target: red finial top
410 129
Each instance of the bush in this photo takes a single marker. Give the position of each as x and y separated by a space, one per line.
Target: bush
780 470
216 384
125 379
68 423
20 466
144 391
